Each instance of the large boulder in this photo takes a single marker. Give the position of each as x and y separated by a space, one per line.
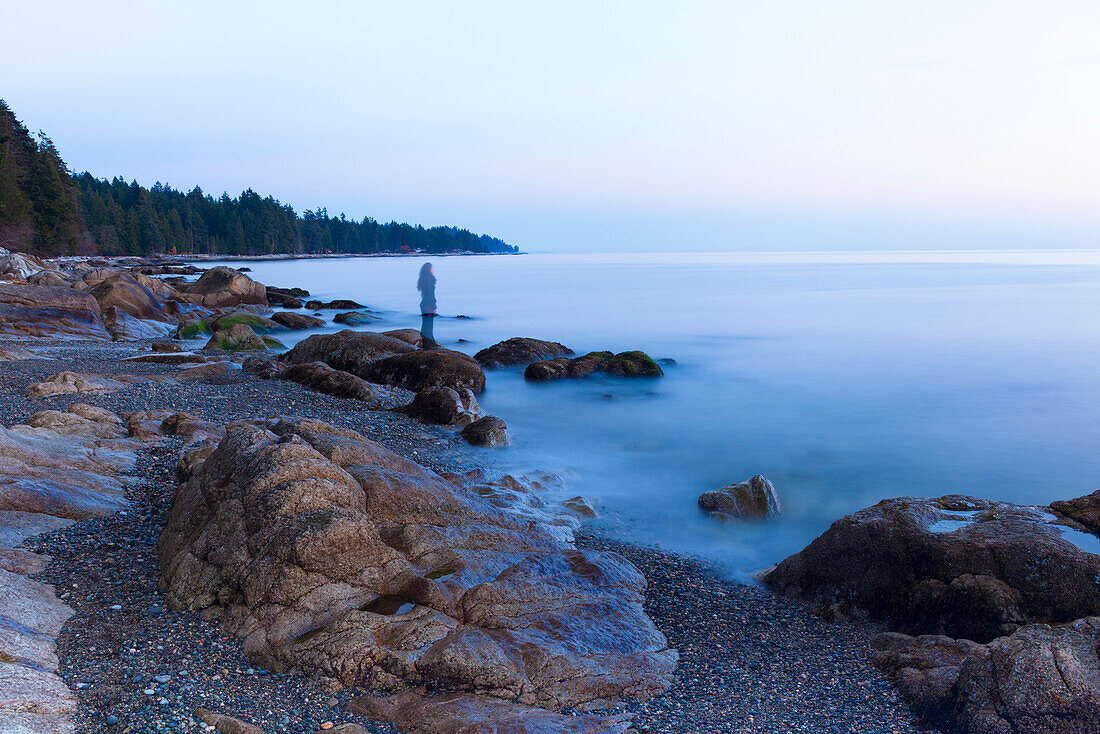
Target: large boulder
753 499
409 336
122 325
520 350
624 364
444 406
222 286
1039 680
322 378
135 294
956 565
351 351
252 320
323 551
29 310
420 369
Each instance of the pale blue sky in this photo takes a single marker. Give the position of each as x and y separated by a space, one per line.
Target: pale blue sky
595 126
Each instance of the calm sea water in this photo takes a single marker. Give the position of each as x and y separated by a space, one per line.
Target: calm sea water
843 377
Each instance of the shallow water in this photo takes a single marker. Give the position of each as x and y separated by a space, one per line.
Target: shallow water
842 377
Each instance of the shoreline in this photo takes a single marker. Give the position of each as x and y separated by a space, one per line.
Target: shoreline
740 668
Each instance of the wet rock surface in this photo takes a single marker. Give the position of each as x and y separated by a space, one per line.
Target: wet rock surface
490 432
754 499
956 565
444 406
320 549
520 350
424 368
624 364
322 378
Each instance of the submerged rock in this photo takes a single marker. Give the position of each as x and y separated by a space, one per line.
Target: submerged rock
355 318
324 551
624 364
340 303
296 321
753 499
490 431
520 350
444 406
955 565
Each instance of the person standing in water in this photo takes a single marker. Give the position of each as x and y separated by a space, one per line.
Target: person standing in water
426 285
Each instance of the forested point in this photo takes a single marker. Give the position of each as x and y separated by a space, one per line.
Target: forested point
48 211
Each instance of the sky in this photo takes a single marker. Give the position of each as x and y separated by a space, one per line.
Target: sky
595 126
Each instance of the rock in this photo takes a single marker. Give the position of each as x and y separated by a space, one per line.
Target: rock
16 355
123 326
753 499
48 278
226 724
321 551
624 364
409 336
520 350
955 565
351 351
29 310
461 713
296 321
206 371
68 383
444 406
168 358
263 367
1084 511
580 505
22 266
222 286
167 347
547 370
73 423
1039 680
337 304
132 295
240 338
355 318
252 320
322 378
420 369
489 431
286 297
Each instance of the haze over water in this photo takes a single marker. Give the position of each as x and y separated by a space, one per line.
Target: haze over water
843 377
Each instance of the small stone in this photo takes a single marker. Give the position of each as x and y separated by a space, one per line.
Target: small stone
162 678
111 720
116 607
148 691
326 725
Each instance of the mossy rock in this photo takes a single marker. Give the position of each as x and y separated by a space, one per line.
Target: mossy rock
193 330
253 321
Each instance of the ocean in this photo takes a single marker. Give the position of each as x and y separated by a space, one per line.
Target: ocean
845 378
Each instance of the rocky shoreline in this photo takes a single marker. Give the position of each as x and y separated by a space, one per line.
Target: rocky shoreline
240 540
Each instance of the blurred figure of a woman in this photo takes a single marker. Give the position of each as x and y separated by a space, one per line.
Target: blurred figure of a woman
426 285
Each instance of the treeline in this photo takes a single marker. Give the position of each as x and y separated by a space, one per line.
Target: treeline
46 210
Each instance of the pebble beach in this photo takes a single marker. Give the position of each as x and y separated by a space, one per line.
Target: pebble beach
749 661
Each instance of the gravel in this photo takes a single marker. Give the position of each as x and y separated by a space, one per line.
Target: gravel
749 661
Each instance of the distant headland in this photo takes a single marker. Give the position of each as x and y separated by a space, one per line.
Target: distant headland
47 211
